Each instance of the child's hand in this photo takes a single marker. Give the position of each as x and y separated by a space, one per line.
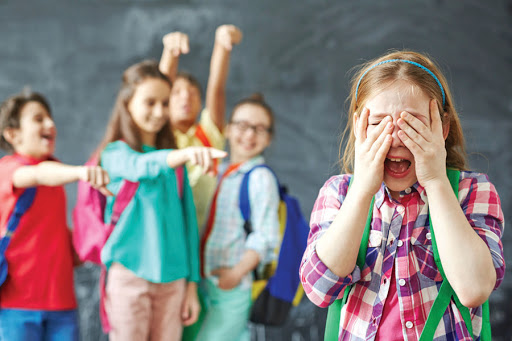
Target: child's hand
191 307
204 157
97 177
370 152
229 278
228 35
427 144
176 42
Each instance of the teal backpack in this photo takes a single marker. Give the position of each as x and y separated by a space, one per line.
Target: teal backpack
441 303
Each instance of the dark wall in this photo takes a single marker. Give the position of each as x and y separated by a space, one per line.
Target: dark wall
299 54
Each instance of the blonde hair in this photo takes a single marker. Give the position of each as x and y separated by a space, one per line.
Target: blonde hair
371 79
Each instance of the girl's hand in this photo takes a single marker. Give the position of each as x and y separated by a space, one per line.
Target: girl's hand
176 42
204 157
229 278
97 177
191 307
427 144
370 152
227 36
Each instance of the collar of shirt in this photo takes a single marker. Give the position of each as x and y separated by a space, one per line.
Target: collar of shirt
384 191
244 167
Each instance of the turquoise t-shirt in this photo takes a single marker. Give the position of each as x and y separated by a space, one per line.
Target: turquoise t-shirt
156 236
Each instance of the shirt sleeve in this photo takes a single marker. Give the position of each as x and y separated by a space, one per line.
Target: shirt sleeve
120 161
264 201
320 284
215 136
482 206
191 230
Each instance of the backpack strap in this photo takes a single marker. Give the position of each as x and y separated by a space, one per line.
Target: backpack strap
201 136
446 291
245 205
23 203
332 325
244 202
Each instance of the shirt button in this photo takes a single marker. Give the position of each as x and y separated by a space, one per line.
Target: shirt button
401 282
400 243
408 190
428 236
400 209
409 324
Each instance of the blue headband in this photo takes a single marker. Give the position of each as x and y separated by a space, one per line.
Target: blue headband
405 61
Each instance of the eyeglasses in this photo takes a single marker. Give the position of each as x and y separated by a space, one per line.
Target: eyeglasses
259 129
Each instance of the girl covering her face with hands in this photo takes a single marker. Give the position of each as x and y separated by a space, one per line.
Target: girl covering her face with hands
404 133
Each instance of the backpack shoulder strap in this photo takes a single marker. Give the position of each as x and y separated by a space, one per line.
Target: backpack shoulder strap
22 205
332 325
201 135
244 202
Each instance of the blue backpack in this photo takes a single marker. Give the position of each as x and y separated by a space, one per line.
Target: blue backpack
22 205
280 288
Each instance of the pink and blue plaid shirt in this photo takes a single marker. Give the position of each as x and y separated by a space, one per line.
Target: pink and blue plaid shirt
399 237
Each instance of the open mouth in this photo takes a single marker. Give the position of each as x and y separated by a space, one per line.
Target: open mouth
397 167
48 137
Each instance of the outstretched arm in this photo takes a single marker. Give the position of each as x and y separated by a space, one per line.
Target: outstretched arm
175 44
202 156
225 37
52 173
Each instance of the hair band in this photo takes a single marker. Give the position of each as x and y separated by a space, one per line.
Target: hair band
405 61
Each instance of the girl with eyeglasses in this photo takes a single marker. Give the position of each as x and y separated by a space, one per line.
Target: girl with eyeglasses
230 255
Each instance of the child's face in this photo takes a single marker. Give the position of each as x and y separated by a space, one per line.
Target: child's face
149 105
37 133
248 133
185 103
399 166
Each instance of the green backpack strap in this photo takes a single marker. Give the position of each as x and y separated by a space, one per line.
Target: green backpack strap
446 291
332 324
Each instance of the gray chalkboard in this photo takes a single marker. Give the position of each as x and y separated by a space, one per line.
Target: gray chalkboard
299 54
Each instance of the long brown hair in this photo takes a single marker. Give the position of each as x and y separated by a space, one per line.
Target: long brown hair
375 79
121 125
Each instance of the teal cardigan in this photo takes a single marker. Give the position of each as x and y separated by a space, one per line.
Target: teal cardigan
156 236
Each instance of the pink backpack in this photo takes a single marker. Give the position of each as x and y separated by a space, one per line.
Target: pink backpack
90 232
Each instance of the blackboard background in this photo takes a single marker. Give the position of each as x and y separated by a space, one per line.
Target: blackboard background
299 54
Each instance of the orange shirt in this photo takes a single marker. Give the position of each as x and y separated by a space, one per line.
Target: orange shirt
39 256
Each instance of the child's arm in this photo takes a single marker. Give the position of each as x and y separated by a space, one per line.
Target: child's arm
52 173
465 257
202 156
175 44
229 278
190 307
339 245
225 37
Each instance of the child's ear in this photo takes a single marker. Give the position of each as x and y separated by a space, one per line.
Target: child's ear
446 125
10 134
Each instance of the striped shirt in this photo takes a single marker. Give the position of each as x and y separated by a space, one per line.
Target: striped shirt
228 241
399 238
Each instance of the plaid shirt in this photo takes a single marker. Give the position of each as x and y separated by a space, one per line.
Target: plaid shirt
399 236
228 241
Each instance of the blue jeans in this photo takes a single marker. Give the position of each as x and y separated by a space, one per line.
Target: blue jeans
38 325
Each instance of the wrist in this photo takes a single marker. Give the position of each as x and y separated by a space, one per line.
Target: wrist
82 173
436 184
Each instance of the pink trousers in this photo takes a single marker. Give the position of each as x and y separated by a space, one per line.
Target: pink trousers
140 310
